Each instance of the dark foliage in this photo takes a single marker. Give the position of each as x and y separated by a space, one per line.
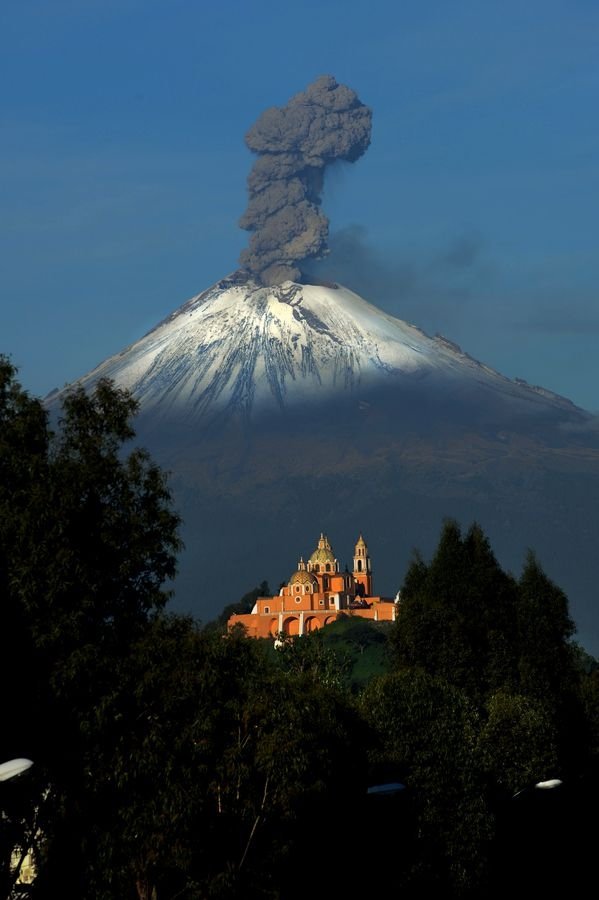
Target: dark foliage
87 541
174 761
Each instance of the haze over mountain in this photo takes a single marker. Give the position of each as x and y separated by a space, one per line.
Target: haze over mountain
286 410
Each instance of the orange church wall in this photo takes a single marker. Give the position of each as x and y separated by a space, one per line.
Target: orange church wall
254 625
257 625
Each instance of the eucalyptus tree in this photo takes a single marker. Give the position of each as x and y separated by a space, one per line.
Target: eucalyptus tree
88 541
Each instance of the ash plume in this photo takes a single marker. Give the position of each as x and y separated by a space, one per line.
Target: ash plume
295 143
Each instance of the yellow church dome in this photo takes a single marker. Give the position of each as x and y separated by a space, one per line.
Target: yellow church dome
303 577
323 552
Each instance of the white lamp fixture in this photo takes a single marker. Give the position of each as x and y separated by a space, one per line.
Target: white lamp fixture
13 767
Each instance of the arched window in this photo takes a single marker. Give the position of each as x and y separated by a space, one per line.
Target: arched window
359 565
328 567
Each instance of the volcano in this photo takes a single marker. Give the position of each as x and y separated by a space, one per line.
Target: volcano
285 411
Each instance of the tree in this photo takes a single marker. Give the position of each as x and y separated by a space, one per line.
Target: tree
518 743
313 656
465 619
458 616
546 663
294 771
87 541
158 821
219 766
425 733
361 646
506 644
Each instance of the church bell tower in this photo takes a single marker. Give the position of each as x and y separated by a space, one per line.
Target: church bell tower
362 569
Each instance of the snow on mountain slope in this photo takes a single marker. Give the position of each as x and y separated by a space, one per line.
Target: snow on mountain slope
240 347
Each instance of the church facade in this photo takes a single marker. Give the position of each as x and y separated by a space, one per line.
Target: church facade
316 594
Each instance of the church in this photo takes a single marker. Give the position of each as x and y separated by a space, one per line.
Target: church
316 594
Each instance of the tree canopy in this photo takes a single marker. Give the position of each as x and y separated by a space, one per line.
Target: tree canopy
87 541
462 617
173 760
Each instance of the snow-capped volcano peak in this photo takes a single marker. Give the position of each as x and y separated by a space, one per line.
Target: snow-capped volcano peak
242 347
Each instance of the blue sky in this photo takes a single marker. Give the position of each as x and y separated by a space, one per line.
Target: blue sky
474 213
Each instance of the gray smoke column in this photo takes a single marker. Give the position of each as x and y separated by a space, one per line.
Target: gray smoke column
295 143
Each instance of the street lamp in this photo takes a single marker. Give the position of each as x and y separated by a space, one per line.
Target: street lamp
388 789
11 872
13 767
548 785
